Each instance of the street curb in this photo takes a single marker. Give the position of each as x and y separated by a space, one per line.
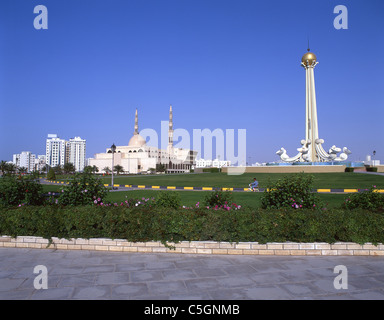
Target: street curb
132 186
198 247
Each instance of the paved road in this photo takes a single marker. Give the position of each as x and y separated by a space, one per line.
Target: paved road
108 275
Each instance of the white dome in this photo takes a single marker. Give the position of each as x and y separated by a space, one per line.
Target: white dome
136 141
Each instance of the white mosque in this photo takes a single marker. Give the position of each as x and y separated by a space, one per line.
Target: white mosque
138 157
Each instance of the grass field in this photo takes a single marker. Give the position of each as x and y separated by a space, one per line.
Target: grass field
190 198
347 180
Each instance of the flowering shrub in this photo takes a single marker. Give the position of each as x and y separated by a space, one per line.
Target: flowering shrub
294 191
129 203
369 199
168 199
15 190
226 206
218 199
51 199
83 189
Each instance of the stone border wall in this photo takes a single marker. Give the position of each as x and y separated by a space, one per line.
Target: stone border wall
286 169
198 247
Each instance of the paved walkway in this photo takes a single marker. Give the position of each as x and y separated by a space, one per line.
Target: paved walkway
108 275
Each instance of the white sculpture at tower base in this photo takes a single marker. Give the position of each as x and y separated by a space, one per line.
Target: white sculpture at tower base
311 148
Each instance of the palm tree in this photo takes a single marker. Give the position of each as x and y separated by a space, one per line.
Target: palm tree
11 168
107 170
23 170
58 170
95 169
3 166
118 168
69 168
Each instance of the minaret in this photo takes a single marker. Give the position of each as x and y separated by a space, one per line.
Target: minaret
170 131
309 62
136 123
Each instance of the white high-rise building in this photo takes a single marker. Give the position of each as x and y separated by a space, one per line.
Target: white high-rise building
40 162
54 151
76 153
25 159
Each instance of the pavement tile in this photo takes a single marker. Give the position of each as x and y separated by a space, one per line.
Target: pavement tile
179 274
128 291
53 294
267 292
92 293
81 274
112 278
167 287
144 276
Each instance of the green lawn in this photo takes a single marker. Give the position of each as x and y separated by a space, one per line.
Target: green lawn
190 198
347 180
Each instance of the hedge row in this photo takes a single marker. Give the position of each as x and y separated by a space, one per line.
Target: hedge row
174 225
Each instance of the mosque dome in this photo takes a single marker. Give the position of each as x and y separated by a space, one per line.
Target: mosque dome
136 141
310 57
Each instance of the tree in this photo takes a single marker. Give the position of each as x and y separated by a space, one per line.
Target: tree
107 170
69 168
118 168
87 169
152 170
51 174
58 169
160 167
3 166
23 170
10 168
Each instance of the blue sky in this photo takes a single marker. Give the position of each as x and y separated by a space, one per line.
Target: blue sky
228 64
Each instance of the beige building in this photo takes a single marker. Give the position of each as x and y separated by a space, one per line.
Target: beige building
138 157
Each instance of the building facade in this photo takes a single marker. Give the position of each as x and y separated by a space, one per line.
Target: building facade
75 149
138 157
55 151
202 163
25 159
59 152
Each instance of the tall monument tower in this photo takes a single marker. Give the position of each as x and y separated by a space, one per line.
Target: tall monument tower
309 61
312 149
